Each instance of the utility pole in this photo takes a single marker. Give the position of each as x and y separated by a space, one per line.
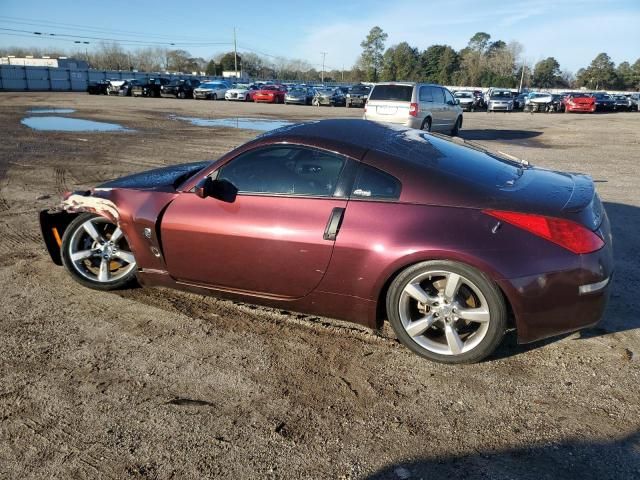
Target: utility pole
324 54
524 66
343 72
235 52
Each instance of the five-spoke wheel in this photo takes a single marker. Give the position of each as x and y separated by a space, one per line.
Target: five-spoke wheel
97 254
446 311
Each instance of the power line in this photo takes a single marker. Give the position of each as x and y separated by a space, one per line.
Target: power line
128 41
85 28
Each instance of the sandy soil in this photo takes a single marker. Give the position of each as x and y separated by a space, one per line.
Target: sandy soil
164 384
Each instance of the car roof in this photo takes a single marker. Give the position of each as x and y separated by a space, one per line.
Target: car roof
430 167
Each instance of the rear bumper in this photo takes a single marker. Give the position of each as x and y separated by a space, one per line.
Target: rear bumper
563 301
356 101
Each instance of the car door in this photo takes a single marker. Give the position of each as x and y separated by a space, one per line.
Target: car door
450 108
440 118
275 239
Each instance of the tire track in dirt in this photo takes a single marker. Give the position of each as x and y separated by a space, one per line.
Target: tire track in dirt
4 203
60 178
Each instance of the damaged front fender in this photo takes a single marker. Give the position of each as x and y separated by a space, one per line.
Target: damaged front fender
54 222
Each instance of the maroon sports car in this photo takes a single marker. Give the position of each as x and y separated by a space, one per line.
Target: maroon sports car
359 221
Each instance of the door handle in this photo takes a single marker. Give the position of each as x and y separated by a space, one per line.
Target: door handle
333 225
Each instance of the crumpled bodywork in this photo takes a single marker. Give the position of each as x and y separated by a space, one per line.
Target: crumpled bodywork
93 203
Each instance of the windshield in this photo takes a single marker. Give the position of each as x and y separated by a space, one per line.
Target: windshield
501 94
269 87
359 90
463 94
298 91
400 93
210 85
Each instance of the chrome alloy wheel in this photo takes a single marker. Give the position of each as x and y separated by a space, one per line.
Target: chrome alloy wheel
444 312
99 251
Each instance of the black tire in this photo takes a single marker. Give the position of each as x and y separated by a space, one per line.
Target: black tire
426 125
214 97
116 284
181 95
495 303
456 129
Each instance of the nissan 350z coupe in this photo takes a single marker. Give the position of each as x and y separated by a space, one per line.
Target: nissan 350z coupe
360 221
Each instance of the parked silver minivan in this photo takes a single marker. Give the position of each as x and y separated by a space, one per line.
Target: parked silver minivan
417 105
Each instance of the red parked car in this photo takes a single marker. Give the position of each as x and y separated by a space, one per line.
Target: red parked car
270 94
579 102
361 221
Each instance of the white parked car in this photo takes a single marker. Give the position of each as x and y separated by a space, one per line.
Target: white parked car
210 90
241 93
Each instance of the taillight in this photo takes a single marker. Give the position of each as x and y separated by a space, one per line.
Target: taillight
413 109
567 234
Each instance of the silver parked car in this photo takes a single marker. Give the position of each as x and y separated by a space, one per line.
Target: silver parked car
500 100
210 90
467 100
299 95
417 105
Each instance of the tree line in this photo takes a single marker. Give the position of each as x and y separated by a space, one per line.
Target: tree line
483 62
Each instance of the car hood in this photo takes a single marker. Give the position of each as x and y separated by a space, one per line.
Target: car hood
464 99
171 176
237 90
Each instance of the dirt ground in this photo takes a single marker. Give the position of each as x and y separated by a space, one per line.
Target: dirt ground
163 384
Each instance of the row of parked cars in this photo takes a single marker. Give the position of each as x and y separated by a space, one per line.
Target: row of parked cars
500 99
265 92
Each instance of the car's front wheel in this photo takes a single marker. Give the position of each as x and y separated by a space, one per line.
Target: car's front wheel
447 312
96 253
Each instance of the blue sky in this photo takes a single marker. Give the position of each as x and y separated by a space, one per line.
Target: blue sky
573 31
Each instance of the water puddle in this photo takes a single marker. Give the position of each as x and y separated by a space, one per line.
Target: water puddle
67 124
260 124
51 110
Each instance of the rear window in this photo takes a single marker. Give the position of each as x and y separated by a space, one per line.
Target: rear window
398 93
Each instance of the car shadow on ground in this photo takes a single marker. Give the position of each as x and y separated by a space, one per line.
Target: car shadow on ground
623 309
619 458
497 134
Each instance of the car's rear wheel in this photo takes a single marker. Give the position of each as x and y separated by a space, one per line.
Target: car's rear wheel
447 312
426 125
96 253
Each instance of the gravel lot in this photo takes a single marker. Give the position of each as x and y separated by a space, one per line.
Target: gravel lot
163 384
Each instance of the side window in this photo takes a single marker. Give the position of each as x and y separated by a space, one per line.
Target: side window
438 95
285 171
372 183
448 98
425 94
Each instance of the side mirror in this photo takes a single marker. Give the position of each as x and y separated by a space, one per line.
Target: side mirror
457 101
222 190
